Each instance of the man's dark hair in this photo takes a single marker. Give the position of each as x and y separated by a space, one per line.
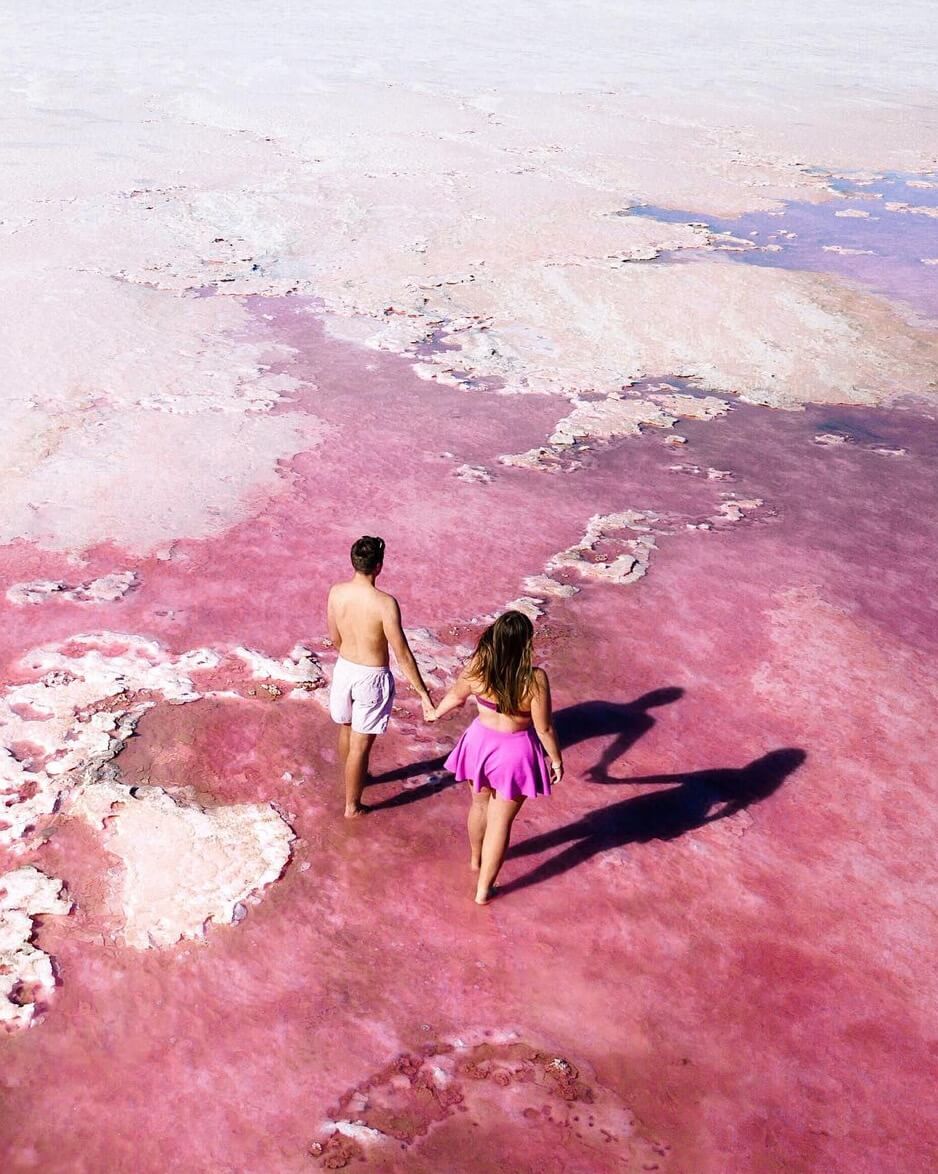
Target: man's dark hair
367 554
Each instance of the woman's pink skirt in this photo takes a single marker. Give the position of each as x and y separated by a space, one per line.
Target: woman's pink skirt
513 765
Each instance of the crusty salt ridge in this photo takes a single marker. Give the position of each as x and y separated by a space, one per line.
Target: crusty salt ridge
625 567
627 540
105 589
300 668
615 416
26 976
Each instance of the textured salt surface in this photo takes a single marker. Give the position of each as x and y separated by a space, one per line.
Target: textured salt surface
278 281
26 975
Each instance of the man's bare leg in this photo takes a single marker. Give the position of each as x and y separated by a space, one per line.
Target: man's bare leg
344 732
356 771
477 818
499 818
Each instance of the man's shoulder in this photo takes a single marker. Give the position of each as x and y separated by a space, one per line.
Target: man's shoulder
386 601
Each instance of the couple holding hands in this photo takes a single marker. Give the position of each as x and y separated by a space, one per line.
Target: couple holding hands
510 751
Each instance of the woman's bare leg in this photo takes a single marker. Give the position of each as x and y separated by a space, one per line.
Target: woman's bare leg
499 818
477 819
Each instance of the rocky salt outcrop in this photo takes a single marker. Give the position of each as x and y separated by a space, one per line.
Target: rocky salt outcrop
300 669
628 539
27 979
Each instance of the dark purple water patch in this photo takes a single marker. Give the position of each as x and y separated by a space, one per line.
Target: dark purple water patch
868 232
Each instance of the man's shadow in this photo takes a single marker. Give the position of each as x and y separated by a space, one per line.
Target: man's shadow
438 781
624 722
699 797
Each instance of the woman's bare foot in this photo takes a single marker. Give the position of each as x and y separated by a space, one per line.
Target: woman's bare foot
475 865
484 898
358 810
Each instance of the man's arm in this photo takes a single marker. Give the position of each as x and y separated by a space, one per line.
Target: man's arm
334 634
397 642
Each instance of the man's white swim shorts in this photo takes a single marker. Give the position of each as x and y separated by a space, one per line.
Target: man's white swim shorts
362 695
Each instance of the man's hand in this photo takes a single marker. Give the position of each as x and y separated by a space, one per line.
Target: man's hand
429 709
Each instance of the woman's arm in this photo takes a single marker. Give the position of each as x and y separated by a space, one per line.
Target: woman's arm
542 715
456 697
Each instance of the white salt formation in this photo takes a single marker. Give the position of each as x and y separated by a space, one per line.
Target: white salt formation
105 589
26 976
617 415
184 865
61 729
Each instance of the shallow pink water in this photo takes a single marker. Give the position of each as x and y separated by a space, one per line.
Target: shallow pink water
719 921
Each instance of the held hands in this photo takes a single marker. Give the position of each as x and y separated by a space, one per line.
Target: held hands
429 709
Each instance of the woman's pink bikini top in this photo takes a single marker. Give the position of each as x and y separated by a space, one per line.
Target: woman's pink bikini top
491 705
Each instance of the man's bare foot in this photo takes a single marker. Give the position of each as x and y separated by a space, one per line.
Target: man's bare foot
356 811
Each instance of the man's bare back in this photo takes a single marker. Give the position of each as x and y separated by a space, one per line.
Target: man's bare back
365 626
362 615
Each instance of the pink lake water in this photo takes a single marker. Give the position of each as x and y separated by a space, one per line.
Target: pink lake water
713 946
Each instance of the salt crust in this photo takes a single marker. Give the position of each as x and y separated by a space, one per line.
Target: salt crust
443 194
490 1071
184 865
105 589
615 416
911 209
26 976
617 548
845 251
134 415
61 728
769 336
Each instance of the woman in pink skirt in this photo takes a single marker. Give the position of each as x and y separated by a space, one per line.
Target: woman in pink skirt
510 752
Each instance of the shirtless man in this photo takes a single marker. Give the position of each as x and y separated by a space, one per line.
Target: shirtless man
363 622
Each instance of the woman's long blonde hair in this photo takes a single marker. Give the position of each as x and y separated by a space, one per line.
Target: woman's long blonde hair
501 664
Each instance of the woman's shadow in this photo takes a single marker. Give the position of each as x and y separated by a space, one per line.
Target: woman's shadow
699 797
576 723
